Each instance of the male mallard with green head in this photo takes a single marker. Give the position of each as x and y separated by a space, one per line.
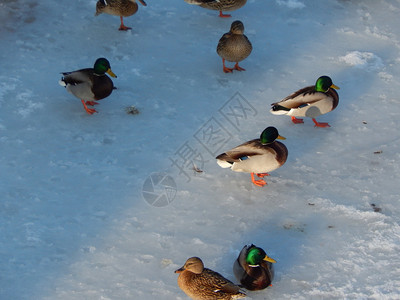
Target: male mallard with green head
200 283
254 268
121 8
311 101
90 84
258 156
234 46
221 5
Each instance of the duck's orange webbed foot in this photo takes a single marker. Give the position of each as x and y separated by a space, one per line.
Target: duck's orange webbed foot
225 68
297 121
91 103
236 67
222 15
262 175
123 27
317 124
90 111
259 182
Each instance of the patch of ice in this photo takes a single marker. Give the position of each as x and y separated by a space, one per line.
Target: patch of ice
364 60
291 3
26 105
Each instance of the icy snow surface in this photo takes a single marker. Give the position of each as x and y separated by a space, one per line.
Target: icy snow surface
82 212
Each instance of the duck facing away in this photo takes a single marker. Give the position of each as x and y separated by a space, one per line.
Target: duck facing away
254 268
234 46
221 5
90 84
311 101
121 8
258 156
200 283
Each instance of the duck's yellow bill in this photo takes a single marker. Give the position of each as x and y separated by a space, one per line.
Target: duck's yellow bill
109 72
335 87
281 137
267 258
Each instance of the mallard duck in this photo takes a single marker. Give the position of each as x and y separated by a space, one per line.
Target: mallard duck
254 268
90 84
257 156
121 8
311 101
234 46
204 284
221 5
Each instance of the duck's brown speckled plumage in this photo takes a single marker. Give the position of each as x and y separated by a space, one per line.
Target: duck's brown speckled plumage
122 8
204 284
234 46
221 5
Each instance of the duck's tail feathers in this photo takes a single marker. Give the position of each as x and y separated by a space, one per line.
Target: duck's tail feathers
195 2
277 109
62 82
224 163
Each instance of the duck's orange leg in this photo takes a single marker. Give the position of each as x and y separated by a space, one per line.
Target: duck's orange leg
297 121
236 67
225 68
123 27
91 103
262 175
317 124
259 182
90 111
222 15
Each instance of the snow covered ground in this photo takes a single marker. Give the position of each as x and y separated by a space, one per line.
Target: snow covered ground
78 216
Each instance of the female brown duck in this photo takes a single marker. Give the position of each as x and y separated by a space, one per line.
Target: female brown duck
121 8
204 284
221 5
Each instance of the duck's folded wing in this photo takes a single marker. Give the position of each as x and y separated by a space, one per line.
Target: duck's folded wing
301 98
220 283
199 2
77 77
237 155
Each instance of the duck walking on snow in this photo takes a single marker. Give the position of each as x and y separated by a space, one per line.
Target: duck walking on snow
234 46
204 284
311 101
221 5
121 8
90 84
254 268
258 156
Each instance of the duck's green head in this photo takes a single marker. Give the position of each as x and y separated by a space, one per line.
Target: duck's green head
324 83
269 135
101 66
256 255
